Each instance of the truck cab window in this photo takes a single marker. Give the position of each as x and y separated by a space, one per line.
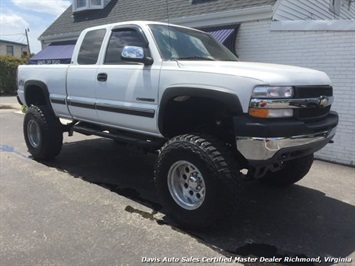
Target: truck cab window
176 43
90 47
119 39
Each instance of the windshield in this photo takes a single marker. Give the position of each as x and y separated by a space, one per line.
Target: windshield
177 43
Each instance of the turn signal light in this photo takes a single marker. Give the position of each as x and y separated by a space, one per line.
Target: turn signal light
263 113
270 113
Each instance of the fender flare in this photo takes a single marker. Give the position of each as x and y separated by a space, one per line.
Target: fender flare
42 86
229 99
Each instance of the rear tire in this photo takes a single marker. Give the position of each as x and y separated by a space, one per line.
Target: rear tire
197 180
291 172
43 133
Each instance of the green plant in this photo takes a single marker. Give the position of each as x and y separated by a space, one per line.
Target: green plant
8 67
24 109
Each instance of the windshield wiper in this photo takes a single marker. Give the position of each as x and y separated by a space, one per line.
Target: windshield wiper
193 58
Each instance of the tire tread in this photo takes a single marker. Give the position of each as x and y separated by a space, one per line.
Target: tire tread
51 132
224 169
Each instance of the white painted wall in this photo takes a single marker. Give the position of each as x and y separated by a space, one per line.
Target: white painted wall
312 10
17 49
330 51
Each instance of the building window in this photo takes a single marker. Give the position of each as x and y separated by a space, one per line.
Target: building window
335 6
80 5
96 2
24 52
201 1
9 50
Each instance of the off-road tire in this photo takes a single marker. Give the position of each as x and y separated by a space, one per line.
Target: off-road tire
221 180
43 133
291 172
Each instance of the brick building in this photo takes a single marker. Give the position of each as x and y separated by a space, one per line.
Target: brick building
317 34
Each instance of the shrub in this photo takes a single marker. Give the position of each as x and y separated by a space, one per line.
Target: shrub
8 67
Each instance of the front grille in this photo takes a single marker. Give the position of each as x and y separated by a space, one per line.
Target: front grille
312 91
311 113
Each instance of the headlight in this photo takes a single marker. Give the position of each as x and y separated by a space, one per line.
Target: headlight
259 108
272 92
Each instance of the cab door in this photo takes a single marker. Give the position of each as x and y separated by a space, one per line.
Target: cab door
82 77
127 92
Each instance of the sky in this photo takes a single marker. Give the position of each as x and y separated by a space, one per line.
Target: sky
35 15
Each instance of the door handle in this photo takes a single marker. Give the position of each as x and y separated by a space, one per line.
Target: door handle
102 77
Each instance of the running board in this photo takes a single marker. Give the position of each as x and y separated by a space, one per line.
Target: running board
145 145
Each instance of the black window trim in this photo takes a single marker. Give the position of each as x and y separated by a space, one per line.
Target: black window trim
98 56
134 27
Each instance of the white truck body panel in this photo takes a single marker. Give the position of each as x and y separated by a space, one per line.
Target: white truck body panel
81 87
54 76
127 84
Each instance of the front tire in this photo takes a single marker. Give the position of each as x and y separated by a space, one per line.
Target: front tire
291 172
197 180
43 133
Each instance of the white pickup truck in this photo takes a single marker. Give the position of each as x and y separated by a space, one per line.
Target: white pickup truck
175 90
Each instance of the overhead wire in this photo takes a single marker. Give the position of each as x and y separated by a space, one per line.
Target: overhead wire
12 34
22 38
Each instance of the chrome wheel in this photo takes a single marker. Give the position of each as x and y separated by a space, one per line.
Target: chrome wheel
196 180
186 185
33 133
43 132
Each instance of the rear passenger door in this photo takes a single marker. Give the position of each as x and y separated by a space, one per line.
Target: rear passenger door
82 78
127 92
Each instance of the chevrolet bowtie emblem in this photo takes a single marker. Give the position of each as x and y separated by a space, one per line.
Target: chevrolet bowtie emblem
323 101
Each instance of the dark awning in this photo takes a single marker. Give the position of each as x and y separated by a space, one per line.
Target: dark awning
55 53
225 34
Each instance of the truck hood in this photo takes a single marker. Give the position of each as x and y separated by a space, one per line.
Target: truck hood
271 74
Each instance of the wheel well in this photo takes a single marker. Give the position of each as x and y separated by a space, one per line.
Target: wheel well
35 95
186 114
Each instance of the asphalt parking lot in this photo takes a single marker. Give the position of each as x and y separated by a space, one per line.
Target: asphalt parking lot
96 204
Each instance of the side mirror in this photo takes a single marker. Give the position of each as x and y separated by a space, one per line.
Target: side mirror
135 54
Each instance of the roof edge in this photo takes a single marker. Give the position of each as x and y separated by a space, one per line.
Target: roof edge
226 17
14 43
65 37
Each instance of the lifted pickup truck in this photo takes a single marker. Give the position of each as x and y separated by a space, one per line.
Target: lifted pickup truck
175 90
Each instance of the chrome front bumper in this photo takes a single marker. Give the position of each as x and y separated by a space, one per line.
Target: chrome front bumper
319 102
262 149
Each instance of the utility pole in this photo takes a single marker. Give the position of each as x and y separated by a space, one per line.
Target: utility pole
28 43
